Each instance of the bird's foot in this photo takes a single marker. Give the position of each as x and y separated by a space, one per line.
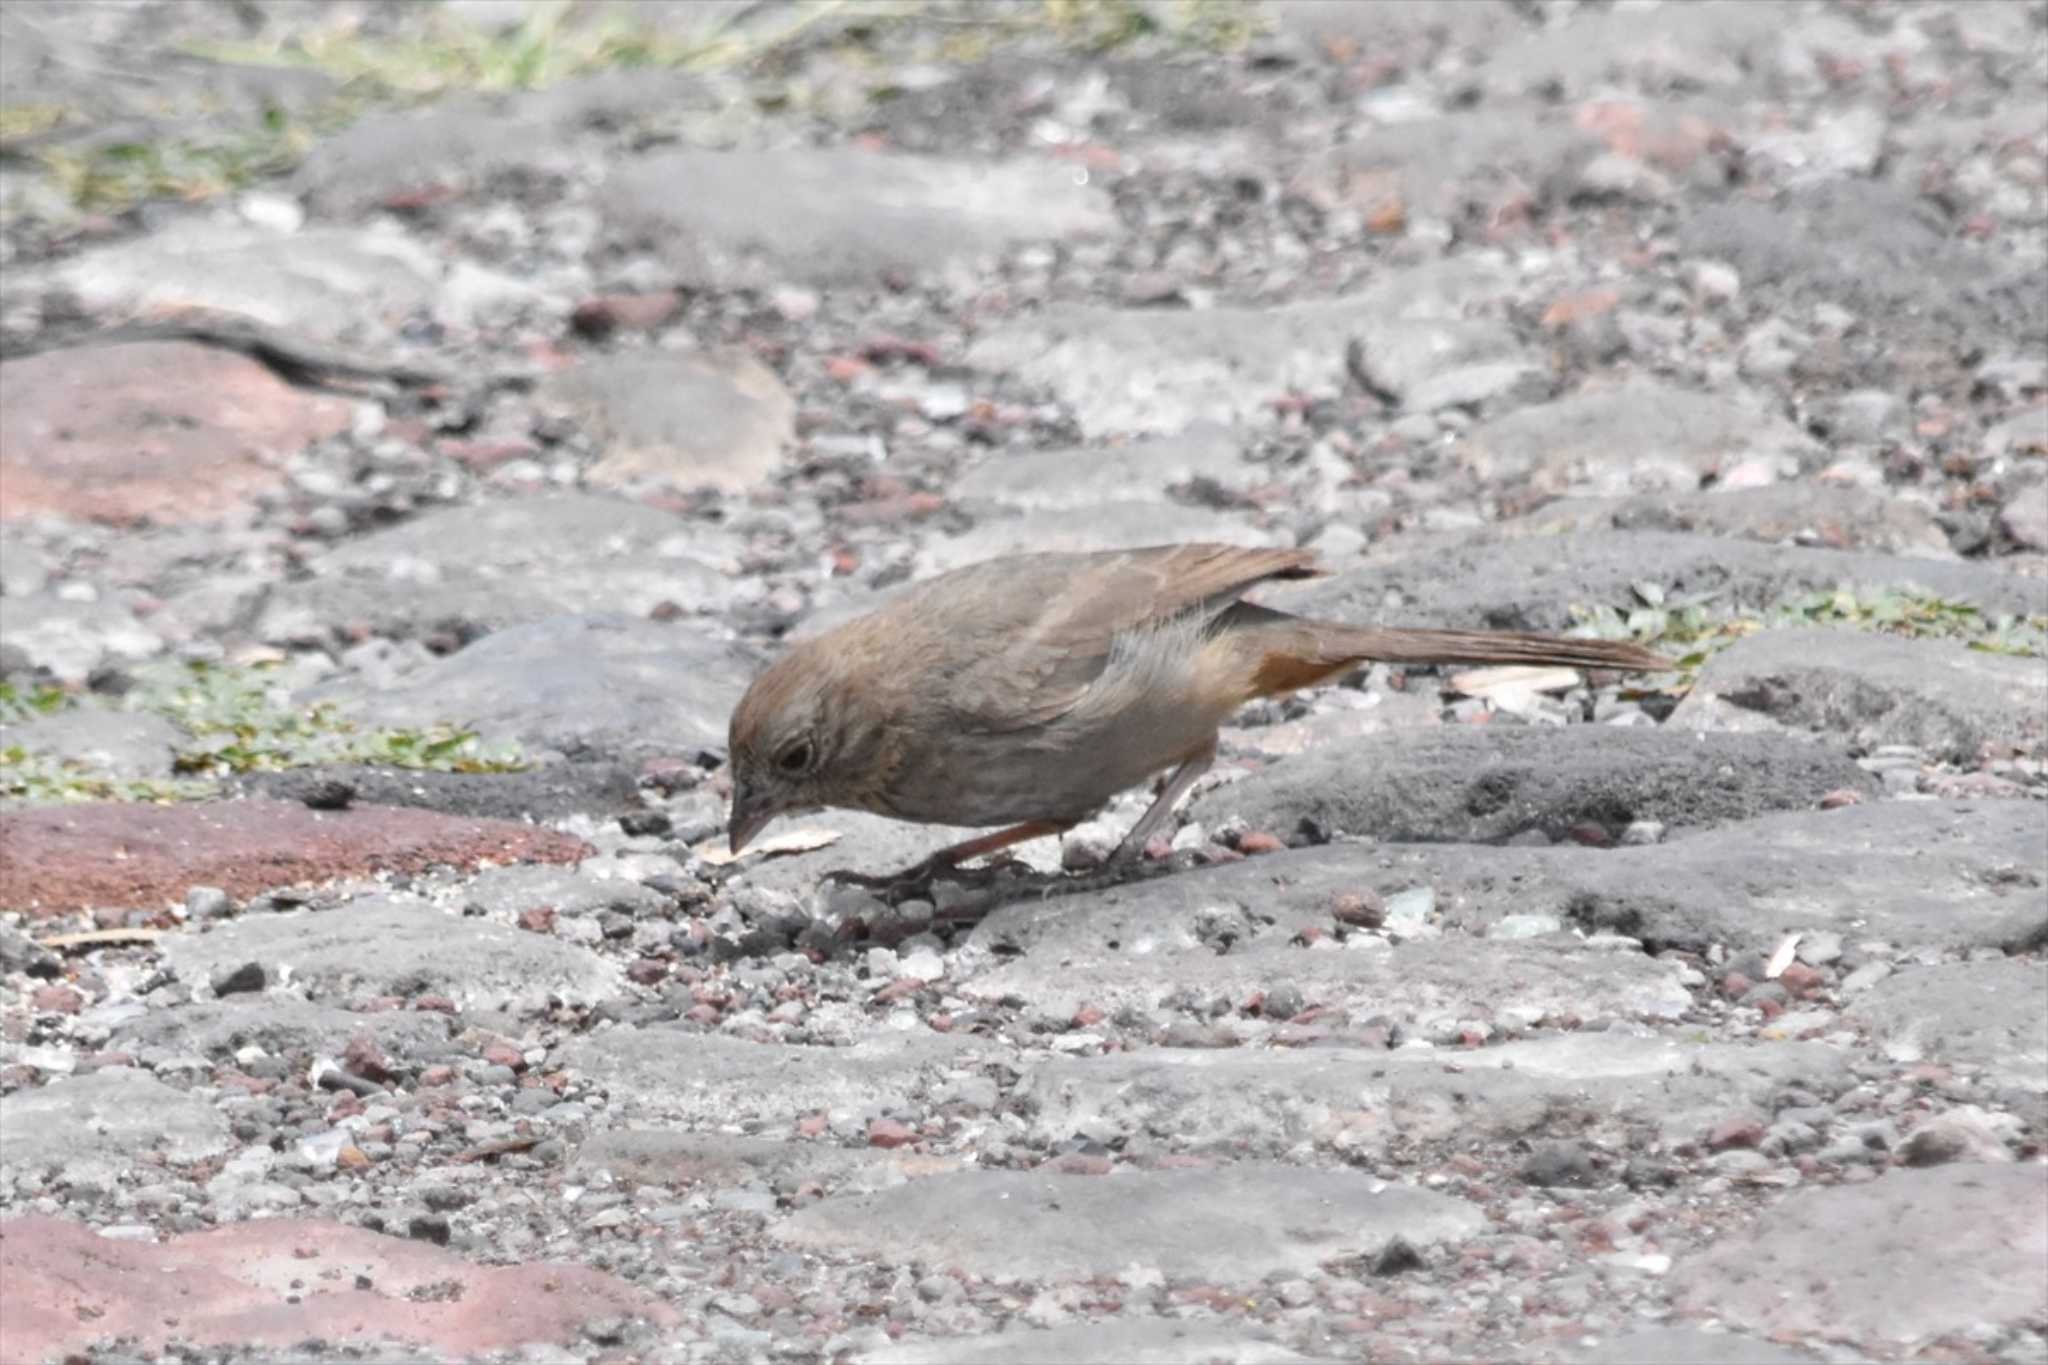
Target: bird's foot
918 879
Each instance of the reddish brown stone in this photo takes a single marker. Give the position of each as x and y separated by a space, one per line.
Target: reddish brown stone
608 313
1259 841
890 1133
59 859
277 1282
149 431
56 1000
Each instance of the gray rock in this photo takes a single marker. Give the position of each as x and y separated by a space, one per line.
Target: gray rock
1869 871
687 418
1689 1346
1234 1224
1787 513
588 685
1987 1015
341 284
458 142
1488 784
1892 1262
1152 371
1531 583
1877 250
134 744
71 639
1361 1101
496 564
1635 436
707 1080
681 1159
1939 696
1083 477
380 946
1143 1341
1226 933
2024 517
1445 166
286 1026
112 1116
1443 362
1099 526
506 891
547 791
840 217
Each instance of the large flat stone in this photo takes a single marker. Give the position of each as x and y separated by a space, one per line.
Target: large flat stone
114 854
1868 870
277 1283
1635 436
153 431
1986 1015
833 216
588 685
288 1027
1079 478
1231 1224
1828 516
1689 1346
1531 583
1358 1101
491 565
707 1080
113 1116
382 946
1489 783
1199 941
1140 1341
688 419
119 743
1915 1255
1940 696
1099 526
349 285
1151 371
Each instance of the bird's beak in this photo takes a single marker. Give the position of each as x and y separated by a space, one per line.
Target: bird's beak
749 816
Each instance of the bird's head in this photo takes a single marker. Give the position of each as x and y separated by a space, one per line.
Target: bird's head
800 739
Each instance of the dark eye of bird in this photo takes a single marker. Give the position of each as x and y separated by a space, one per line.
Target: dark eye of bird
796 757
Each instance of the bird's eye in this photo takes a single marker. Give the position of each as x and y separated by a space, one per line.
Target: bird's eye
796 758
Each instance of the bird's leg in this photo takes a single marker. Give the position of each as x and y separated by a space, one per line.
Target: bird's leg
952 856
1176 787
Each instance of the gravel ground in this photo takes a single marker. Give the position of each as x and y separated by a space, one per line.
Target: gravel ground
397 492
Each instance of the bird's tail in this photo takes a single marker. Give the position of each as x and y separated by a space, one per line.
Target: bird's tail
1287 652
1411 645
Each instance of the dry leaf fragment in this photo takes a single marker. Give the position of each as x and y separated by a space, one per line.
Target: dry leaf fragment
789 841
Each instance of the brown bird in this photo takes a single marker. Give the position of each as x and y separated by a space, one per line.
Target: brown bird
1027 691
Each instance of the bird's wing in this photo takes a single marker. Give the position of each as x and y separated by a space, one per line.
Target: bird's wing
1052 620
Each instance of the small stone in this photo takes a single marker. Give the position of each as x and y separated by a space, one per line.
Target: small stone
329 793
1840 797
241 980
644 823
1638 833
1359 909
1820 948
1736 1130
1283 1002
56 1000
1799 978
207 902
1259 841
923 965
538 919
1408 912
1560 1164
890 1133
